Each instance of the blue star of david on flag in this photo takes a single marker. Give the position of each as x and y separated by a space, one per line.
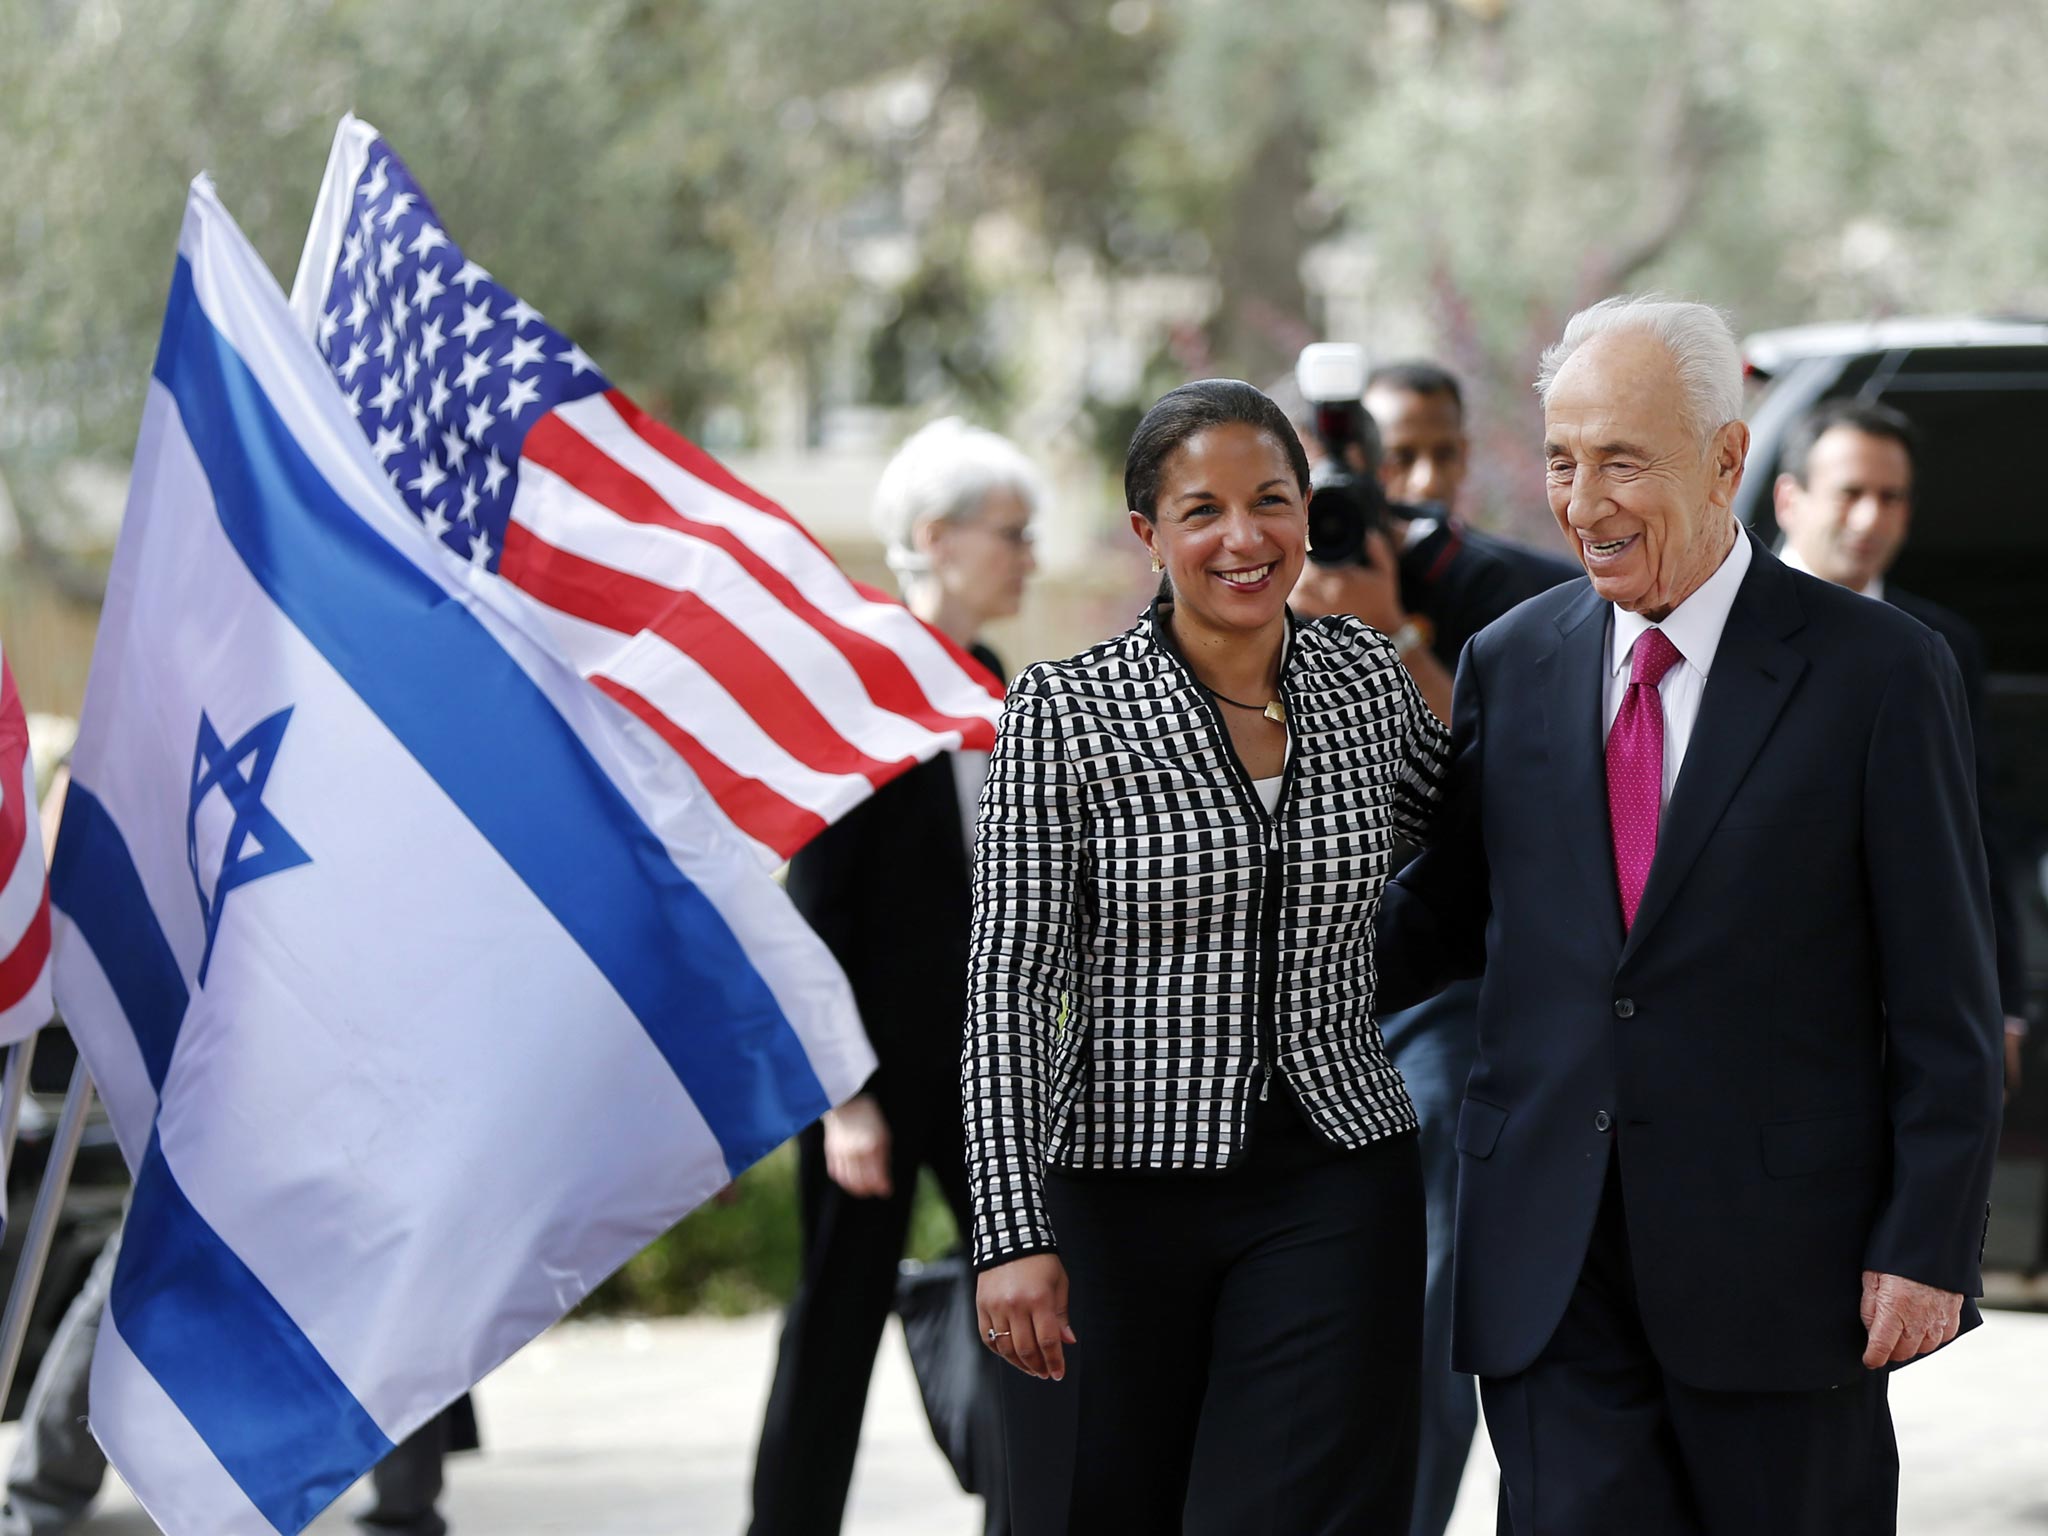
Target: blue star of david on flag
239 772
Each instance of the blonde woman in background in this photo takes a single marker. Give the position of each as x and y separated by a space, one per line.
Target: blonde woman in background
887 888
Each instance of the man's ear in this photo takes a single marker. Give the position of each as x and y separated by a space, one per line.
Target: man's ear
1785 494
1731 454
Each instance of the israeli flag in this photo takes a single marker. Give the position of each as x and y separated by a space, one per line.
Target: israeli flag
422 990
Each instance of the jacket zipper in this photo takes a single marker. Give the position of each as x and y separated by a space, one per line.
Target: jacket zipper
1271 890
1273 897
1272 877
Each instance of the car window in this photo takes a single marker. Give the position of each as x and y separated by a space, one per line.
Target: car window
1979 542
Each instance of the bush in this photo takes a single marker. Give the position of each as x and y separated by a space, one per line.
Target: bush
743 1256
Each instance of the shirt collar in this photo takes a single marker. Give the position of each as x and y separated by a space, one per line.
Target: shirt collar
1695 625
1792 558
1418 529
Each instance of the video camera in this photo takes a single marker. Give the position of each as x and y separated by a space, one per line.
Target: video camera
1345 499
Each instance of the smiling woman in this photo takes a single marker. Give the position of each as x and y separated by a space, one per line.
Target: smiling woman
1219 496
1172 1060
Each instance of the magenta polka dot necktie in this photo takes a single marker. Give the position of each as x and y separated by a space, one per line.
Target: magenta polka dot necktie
1635 769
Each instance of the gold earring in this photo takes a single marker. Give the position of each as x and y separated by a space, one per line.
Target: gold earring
1158 564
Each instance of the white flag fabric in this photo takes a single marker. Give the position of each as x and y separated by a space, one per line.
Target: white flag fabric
422 989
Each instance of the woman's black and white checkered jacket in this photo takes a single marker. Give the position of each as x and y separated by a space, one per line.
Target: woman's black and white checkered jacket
1148 944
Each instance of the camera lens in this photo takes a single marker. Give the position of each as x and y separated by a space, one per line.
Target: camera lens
1336 521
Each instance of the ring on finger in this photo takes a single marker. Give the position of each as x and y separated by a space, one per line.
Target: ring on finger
992 1334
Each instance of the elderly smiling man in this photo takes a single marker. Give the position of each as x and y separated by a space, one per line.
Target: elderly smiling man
1713 842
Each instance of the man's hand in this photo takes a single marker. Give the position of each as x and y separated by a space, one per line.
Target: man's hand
1025 1303
1372 592
1906 1319
857 1147
2015 1041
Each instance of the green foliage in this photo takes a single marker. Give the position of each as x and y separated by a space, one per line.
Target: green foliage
1791 163
933 1231
722 1258
881 203
738 1257
580 164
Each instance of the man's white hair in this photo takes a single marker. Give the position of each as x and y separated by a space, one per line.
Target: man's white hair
1698 337
945 470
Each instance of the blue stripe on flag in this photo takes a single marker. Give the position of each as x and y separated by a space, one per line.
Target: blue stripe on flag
496 746
267 1404
93 881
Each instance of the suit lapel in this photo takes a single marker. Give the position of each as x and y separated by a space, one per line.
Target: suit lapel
1754 674
1570 681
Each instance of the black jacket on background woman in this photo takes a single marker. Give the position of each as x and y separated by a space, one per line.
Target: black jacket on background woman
886 888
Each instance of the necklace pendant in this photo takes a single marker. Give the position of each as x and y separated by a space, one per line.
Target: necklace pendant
1276 712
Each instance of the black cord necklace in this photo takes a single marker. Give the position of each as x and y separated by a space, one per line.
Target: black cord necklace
1272 709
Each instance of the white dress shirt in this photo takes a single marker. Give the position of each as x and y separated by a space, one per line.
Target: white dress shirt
1791 558
970 772
1694 627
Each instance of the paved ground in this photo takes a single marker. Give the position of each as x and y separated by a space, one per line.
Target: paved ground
646 1429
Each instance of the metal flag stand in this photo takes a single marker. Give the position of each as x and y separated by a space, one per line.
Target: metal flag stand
34 1257
42 1224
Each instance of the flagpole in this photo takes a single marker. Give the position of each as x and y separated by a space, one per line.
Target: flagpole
20 1056
42 1226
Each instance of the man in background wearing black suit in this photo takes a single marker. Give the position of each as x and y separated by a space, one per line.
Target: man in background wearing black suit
1456 580
1711 835
1844 497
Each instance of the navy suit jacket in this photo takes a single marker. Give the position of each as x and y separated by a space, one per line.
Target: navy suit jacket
1795 1050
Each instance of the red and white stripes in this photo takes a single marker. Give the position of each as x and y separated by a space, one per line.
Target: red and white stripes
25 896
711 614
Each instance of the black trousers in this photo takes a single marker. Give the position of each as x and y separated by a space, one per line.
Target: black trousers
1249 1357
406 1485
834 1325
1595 1440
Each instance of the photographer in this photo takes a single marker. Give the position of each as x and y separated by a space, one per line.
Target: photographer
1453 579
1432 583
1352 566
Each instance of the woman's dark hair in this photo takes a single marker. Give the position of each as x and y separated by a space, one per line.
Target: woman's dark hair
1181 413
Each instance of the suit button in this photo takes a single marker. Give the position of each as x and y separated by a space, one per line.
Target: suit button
1624 1007
1603 1121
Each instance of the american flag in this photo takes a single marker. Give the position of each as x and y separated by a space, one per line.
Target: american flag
25 897
698 604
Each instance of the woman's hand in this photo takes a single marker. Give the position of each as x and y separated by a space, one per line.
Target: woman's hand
857 1148
1024 1302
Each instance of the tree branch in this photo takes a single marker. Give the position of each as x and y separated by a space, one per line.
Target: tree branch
1679 143
76 580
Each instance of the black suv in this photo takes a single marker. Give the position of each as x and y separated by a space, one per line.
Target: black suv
1977 389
